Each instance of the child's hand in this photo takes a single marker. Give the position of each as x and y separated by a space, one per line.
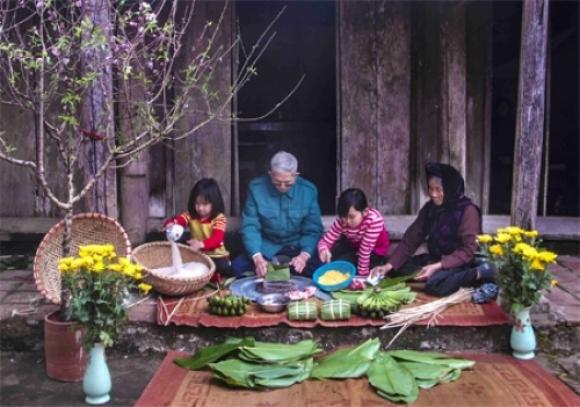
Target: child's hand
325 255
195 244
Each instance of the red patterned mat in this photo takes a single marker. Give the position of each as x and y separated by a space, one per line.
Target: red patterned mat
496 380
193 311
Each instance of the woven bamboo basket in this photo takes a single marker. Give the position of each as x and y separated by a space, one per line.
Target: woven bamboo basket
87 228
158 254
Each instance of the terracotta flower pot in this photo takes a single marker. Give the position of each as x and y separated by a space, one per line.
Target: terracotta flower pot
65 357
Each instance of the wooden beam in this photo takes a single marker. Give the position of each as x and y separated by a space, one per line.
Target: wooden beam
530 113
427 84
375 89
393 164
478 55
97 115
207 153
550 227
454 87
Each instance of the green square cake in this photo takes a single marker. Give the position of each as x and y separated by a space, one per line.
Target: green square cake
277 273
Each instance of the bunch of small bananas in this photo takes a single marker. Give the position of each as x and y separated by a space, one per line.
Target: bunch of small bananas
228 305
376 303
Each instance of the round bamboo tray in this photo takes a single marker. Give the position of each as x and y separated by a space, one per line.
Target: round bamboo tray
87 228
158 254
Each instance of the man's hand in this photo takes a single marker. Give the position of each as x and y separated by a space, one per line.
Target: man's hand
380 270
261 265
427 271
195 244
325 255
299 262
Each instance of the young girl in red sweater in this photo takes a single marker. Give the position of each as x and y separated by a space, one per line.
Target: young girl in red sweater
207 223
364 240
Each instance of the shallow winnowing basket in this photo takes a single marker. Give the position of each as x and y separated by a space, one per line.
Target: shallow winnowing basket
87 228
158 254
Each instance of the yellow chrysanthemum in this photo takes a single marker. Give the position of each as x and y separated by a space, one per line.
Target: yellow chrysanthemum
63 267
496 250
513 230
503 238
531 233
547 256
537 265
145 288
77 263
99 267
123 261
530 252
520 247
115 267
484 238
67 260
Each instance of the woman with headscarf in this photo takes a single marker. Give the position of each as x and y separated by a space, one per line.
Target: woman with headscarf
450 222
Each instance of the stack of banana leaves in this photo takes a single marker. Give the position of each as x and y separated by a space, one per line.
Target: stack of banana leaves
376 302
254 364
395 375
398 375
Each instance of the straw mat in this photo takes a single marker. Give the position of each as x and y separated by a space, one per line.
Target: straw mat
496 380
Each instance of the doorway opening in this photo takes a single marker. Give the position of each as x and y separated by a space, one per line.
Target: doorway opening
305 125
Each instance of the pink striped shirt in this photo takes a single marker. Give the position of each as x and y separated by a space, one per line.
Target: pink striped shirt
370 236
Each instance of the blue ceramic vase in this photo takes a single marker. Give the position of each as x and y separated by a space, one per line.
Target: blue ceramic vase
97 379
523 339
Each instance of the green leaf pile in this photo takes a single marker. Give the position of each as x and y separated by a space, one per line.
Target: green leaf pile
253 364
348 362
396 375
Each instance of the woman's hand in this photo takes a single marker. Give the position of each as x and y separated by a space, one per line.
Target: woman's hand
299 262
380 271
427 271
195 244
325 255
261 265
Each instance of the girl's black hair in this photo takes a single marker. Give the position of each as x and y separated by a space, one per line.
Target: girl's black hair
207 189
351 197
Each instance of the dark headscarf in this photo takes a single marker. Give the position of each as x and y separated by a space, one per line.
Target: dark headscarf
443 221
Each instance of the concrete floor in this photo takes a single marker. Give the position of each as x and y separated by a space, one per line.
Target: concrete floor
23 381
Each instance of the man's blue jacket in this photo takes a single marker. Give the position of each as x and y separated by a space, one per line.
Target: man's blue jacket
272 220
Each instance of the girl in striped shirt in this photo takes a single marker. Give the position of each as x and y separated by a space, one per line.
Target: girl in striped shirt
207 223
357 235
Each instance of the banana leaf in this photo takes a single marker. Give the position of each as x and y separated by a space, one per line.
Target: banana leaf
345 363
426 371
426 383
348 295
288 381
388 282
210 354
235 372
431 358
392 380
400 399
265 352
451 376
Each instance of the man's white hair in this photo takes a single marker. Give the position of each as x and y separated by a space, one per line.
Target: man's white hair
284 162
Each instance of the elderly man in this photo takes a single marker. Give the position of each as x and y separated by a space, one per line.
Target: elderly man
280 220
